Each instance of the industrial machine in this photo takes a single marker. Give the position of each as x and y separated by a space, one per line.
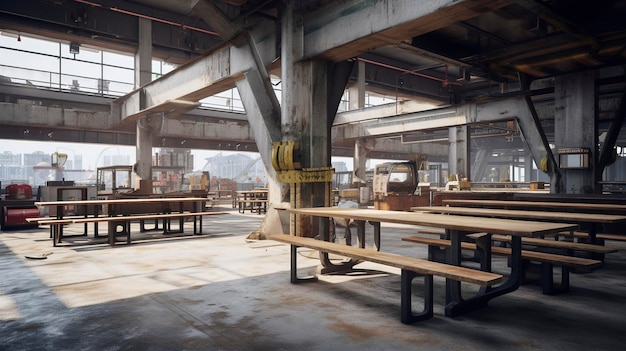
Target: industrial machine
398 186
114 180
196 183
18 205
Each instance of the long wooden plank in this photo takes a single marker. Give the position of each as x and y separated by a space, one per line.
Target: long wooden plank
605 236
524 214
121 201
560 244
533 205
143 217
464 223
570 261
418 265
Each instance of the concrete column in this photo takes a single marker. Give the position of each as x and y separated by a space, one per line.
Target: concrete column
459 151
145 129
292 33
304 114
143 57
361 84
353 98
574 126
356 93
359 161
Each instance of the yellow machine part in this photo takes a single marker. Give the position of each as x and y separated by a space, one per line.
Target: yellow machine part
307 175
58 159
284 155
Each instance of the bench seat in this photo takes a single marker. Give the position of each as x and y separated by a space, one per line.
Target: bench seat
50 218
410 268
547 260
570 246
602 236
124 221
548 243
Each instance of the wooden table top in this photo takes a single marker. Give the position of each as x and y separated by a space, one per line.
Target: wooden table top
120 201
525 214
253 191
577 206
452 222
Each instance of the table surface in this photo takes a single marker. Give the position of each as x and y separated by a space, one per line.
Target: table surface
253 191
579 206
452 222
120 201
525 214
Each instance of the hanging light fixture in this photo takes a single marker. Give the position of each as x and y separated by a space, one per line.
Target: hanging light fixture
74 48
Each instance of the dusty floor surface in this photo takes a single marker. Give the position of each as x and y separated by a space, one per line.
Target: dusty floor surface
221 292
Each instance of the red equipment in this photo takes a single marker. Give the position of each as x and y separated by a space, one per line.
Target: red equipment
19 192
17 207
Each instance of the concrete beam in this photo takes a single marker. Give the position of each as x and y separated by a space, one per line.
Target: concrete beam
170 108
39 133
375 123
208 131
347 29
379 122
380 127
202 77
53 117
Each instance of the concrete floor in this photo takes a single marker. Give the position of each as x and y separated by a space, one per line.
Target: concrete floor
220 292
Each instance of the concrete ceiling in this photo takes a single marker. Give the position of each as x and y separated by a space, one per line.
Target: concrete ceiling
464 48
465 52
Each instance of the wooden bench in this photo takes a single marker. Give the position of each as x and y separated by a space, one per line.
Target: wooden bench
410 268
125 221
601 236
55 227
49 220
254 205
568 247
546 260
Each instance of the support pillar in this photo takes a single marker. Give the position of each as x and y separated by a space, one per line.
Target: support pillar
574 126
357 101
356 93
359 161
259 100
459 151
145 126
310 96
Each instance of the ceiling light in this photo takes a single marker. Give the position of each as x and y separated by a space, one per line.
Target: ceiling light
74 48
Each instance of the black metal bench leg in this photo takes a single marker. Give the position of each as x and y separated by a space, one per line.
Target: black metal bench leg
547 279
406 311
54 232
113 233
294 268
127 228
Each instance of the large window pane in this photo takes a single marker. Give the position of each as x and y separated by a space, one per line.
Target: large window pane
8 39
119 80
120 60
29 68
